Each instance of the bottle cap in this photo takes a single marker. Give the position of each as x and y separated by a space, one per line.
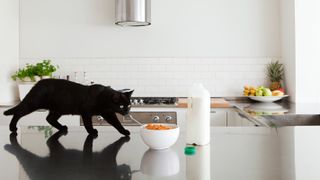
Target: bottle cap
189 150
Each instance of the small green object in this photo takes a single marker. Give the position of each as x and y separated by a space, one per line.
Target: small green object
190 150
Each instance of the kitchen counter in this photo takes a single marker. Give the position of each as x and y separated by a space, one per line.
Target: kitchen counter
276 114
277 108
286 153
280 113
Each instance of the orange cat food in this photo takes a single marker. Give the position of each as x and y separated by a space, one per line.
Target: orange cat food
158 127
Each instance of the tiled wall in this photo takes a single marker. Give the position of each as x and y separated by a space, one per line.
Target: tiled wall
166 76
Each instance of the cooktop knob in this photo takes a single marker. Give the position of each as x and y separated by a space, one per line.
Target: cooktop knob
156 119
141 101
100 118
135 101
168 118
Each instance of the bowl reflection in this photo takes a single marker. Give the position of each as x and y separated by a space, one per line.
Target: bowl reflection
160 163
266 109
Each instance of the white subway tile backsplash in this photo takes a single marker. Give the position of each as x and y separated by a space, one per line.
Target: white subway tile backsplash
202 67
200 75
158 68
166 76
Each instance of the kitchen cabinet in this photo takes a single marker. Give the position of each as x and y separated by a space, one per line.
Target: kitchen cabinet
228 117
235 118
218 117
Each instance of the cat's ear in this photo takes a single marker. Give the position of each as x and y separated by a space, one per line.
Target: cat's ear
128 93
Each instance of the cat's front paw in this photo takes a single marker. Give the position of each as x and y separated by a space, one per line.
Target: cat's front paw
125 132
93 132
125 138
63 129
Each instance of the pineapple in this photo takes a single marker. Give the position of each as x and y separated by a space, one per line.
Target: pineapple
275 73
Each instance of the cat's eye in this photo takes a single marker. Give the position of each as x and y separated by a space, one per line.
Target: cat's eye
121 106
129 106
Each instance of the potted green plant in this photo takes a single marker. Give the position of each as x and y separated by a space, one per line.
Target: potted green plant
45 69
26 77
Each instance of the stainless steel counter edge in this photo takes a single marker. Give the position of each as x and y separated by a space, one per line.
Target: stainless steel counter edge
255 119
290 114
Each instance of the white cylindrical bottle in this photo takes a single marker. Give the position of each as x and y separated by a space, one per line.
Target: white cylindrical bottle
198 116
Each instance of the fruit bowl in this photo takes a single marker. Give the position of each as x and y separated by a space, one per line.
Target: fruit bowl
267 98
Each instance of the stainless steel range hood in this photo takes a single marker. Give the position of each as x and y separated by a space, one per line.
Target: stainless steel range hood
133 12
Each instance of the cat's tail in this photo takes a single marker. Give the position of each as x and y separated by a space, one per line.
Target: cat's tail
10 111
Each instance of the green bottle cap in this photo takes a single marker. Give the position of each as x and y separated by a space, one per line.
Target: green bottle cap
189 150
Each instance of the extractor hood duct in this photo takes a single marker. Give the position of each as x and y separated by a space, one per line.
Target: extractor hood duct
133 12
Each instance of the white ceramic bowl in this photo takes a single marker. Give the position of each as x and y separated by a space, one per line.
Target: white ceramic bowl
159 139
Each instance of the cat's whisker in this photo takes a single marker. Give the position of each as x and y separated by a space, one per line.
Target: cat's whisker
135 171
135 120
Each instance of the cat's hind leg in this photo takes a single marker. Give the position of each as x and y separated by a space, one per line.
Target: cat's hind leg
21 110
13 123
52 119
87 121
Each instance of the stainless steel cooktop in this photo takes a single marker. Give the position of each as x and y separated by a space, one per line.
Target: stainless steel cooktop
150 116
143 117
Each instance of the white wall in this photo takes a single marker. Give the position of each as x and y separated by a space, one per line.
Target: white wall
288 45
307 50
224 44
9 49
300 48
180 28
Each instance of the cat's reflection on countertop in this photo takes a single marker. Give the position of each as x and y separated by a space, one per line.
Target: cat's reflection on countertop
70 163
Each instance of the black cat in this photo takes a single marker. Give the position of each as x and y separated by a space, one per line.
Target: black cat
66 164
62 97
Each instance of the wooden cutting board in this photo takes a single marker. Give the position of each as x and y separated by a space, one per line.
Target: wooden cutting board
215 103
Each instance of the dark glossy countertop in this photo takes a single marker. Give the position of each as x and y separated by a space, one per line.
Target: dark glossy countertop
40 153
